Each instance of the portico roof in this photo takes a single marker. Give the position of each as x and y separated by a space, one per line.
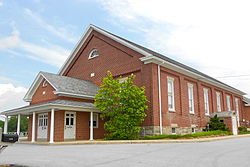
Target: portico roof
223 114
59 104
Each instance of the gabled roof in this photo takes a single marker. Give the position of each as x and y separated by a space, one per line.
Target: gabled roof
64 86
150 57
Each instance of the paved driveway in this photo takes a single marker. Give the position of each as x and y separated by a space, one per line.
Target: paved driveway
226 153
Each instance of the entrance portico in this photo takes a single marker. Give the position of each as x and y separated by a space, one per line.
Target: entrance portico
57 120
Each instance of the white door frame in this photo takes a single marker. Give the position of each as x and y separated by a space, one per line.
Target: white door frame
69 125
42 126
234 125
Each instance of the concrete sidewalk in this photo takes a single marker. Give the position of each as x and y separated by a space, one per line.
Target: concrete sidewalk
198 140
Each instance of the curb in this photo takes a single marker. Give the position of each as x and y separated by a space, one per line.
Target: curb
94 142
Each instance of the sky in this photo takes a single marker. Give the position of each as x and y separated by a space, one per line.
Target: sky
38 35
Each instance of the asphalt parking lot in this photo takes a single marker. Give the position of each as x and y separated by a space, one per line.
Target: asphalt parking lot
224 153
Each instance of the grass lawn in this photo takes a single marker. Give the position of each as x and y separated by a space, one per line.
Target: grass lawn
191 135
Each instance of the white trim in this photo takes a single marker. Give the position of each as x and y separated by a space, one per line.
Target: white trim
84 38
191 98
93 50
206 100
52 121
33 127
73 95
218 101
28 96
237 109
171 81
91 132
5 131
169 65
18 124
228 102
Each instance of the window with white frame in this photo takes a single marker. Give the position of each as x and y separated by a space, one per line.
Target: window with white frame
171 105
206 101
93 53
191 98
95 120
237 110
218 100
228 103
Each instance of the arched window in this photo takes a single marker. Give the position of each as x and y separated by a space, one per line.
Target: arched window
93 53
45 83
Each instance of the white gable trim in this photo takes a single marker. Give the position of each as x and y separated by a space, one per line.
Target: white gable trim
84 38
34 86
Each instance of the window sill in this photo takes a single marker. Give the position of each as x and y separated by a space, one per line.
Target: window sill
171 110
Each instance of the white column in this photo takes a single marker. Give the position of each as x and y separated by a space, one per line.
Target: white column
52 120
5 125
18 124
33 127
91 126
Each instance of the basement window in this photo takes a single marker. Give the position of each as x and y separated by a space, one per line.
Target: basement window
193 130
173 130
94 53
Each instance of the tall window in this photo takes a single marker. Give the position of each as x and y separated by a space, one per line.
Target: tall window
228 103
191 98
171 106
206 101
95 120
237 110
218 101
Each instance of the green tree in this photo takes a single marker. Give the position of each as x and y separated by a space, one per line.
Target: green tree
122 104
12 124
216 124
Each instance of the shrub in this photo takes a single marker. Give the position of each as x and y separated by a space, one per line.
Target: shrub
242 129
191 135
216 124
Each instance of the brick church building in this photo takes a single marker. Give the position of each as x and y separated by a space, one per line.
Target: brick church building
182 99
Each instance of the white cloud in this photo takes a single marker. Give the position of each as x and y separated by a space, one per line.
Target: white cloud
54 55
11 96
212 35
61 32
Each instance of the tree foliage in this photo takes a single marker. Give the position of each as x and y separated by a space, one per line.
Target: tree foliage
12 124
122 104
216 124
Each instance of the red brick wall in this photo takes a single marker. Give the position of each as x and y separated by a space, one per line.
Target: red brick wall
59 126
246 111
39 97
181 116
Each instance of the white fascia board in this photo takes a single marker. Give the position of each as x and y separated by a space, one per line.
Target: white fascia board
86 35
181 70
75 50
34 86
74 95
47 107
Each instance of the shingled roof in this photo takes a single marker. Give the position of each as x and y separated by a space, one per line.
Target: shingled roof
71 85
64 86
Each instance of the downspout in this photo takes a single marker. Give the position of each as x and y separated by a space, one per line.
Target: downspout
159 93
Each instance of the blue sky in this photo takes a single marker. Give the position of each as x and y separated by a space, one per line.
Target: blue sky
38 35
